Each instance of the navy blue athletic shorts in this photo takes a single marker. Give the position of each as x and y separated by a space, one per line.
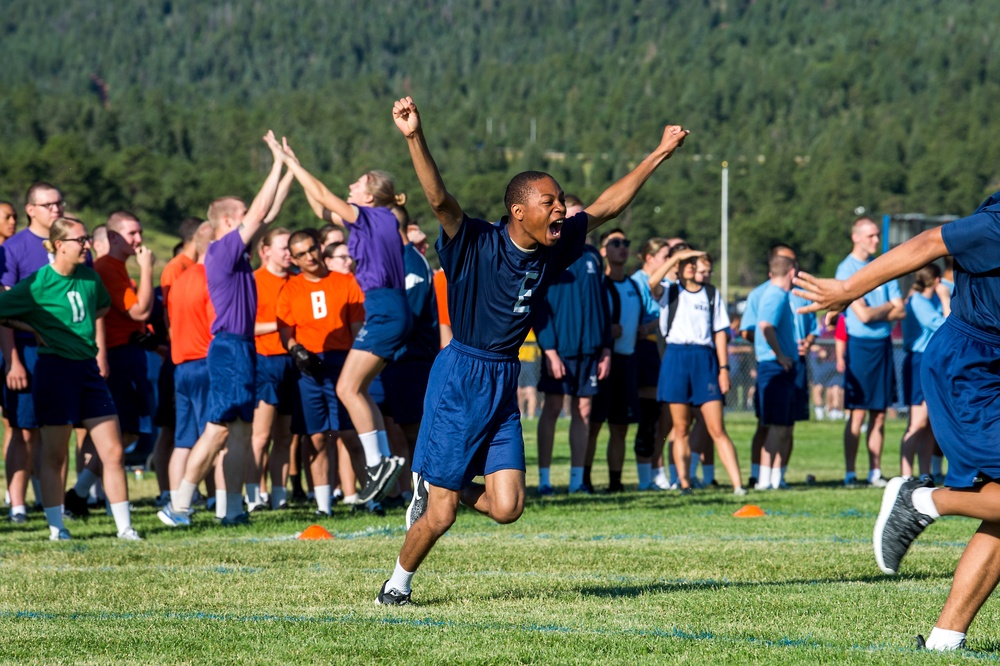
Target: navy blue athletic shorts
276 382
617 399
232 378
776 392
388 323
689 375
870 380
471 423
405 386
191 384
19 406
959 376
165 415
647 358
128 381
68 392
580 379
322 410
802 396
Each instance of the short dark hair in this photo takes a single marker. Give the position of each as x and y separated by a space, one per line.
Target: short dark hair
29 197
303 234
188 227
780 265
519 188
573 200
331 248
608 233
779 246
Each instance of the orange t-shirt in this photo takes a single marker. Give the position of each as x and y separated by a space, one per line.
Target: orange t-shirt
118 325
268 287
441 292
171 272
191 316
322 312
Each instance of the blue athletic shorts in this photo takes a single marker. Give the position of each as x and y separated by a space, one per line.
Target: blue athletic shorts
68 392
471 423
689 375
647 358
388 323
617 399
405 386
276 382
580 379
232 377
166 409
802 396
913 391
19 406
958 373
322 410
128 381
776 393
870 380
191 384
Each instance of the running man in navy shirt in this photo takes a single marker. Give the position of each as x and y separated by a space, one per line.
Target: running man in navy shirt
958 374
497 277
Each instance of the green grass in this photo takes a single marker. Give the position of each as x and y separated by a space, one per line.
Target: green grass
634 578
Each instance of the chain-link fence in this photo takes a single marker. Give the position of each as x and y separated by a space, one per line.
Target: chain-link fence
826 383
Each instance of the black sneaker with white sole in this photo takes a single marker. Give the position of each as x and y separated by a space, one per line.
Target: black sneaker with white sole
418 505
391 597
380 479
898 523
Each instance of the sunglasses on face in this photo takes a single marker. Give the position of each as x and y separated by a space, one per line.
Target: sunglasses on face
82 240
299 255
618 242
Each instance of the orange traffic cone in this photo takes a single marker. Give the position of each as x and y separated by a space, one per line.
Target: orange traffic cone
315 533
750 511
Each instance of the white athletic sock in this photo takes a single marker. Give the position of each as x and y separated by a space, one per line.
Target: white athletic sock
350 499
19 509
54 514
944 639
84 481
279 496
323 498
708 474
122 515
369 442
400 580
36 487
645 472
755 471
874 474
383 443
659 474
233 504
253 494
924 503
674 479
775 477
937 463
818 411
543 476
182 497
221 503
575 479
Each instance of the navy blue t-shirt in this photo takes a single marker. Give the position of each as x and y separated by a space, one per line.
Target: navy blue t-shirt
425 338
494 289
974 241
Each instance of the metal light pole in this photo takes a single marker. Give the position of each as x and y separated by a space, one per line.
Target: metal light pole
725 233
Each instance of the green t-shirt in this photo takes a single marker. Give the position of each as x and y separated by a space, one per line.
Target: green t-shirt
62 309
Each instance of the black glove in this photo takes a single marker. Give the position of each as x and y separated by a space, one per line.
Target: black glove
307 362
144 339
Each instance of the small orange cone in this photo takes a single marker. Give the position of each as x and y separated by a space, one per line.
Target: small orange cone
750 511
315 533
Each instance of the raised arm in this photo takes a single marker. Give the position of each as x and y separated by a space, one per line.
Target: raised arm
655 280
318 194
280 195
444 206
616 198
261 205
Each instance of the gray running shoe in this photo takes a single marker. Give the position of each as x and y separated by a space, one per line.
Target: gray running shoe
898 523
418 505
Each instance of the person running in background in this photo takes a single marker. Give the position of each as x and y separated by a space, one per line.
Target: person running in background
62 304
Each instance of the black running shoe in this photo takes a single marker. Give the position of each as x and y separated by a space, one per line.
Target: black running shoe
75 504
922 644
17 518
391 597
418 505
380 479
898 523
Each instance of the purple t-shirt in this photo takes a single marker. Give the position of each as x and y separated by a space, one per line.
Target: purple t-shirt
231 285
21 256
377 249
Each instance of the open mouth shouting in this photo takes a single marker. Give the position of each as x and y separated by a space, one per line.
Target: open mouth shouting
555 229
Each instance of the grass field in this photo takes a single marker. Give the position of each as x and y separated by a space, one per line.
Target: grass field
631 578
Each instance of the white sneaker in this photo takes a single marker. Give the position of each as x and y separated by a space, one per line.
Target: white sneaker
61 535
129 534
761 485
740 492
661 481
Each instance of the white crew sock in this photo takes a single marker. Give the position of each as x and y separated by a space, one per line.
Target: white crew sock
369 442
323 498
19 509
659 474
818 412
674 479
54 514
645 472
383 443
253 494
937 464
350 499
755 471
84 481
122 515
575 479
279 496
874 475
924 503
543 476
708 474
944 639
221 503
764 481
400 580
234 504
776 477
181 498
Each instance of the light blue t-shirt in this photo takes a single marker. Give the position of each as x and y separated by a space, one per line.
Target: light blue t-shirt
749 320
927 315
876 330
774 308
805 324
637 308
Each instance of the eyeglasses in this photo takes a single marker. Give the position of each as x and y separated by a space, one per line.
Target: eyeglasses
618 242
310 250
345 257
82 240
51 204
